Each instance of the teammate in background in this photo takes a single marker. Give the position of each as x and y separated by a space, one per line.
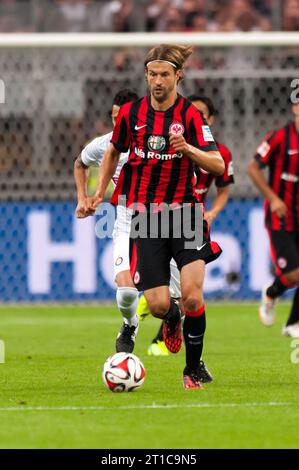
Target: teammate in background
203 183
280 152
126 294
166 135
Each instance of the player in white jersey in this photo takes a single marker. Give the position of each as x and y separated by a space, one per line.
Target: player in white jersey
126 294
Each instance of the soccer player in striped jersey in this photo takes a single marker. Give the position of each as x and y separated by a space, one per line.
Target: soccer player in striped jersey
126 294
279 151
166 135
203 182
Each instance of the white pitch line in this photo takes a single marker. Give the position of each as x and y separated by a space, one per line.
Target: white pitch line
153 406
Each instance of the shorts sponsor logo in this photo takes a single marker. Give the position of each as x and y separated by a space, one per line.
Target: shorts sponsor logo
137 278
156 142
118 261
263 149
282 262
207 134
176 128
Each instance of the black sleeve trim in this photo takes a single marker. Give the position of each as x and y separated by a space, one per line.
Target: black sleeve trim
222 184
208 148
259 161
119 147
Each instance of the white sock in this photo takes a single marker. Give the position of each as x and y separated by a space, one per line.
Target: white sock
127 301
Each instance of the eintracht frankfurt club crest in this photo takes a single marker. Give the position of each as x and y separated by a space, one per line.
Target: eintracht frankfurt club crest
176 128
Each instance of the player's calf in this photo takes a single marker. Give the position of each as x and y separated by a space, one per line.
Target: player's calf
127 300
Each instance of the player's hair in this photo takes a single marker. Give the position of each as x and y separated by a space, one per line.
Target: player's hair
175 54
124 96
206 100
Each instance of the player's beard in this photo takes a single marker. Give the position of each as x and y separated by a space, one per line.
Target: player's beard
161 94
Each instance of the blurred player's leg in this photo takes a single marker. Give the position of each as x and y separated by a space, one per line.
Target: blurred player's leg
127 300
126 294
292 326
285 256
164 307
157 346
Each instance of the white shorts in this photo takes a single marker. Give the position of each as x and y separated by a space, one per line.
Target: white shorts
175 285
121 240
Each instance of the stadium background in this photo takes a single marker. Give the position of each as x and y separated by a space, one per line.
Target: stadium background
58 98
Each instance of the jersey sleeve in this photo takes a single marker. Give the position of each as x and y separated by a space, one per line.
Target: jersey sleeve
228 175
121 137
200 135
93 153
265 150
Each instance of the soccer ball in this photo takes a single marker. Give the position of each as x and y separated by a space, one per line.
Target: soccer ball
123 372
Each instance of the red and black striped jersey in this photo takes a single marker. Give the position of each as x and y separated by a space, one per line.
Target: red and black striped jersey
155 172
280 152
204 180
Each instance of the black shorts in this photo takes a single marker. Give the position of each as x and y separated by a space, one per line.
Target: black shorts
150 257
284 250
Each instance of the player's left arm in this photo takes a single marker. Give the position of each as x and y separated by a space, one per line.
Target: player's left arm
222 184
210 160
218 204
199 144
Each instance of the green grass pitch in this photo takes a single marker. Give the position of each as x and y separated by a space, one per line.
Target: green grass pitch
52 395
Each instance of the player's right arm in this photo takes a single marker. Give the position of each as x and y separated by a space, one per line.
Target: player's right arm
91 155
262 158
120 142
108 168
81 178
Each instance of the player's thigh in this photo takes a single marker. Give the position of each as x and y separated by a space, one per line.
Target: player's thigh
186 250
192 278
175 282
150 260
121 247
284 251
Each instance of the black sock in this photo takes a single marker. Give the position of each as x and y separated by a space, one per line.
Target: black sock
174 313
159 335
294 315
277 289
194 329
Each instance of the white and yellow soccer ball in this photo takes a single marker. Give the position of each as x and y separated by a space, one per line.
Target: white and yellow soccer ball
123 372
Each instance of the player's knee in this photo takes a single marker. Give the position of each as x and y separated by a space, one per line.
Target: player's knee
158 307
192 302
126 296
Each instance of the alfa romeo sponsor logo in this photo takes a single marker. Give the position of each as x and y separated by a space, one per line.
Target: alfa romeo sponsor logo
156 142
176 128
